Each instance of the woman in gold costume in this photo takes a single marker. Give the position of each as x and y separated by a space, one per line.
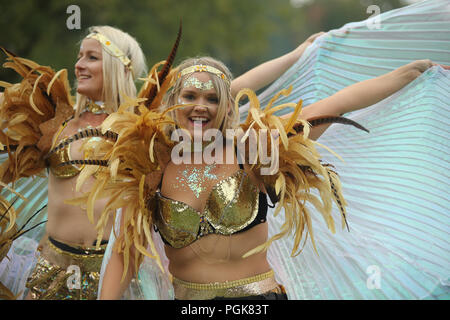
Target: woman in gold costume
109 62
210 211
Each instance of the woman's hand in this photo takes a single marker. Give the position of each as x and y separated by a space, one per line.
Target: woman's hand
313 37
413 70
298 52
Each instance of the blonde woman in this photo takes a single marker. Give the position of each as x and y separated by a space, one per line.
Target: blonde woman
211 215
109 62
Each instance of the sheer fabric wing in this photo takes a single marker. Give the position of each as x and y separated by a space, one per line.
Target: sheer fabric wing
22 256
395 179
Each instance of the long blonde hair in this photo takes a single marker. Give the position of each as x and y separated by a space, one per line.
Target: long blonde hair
227 115
118 80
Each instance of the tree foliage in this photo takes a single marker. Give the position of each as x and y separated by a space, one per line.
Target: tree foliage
242 33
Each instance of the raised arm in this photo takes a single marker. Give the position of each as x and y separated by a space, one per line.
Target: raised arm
363 94
271 70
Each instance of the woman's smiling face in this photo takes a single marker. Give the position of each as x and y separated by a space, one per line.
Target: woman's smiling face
89 69
198 90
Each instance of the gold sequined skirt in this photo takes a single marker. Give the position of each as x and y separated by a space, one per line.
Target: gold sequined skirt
66 272
260 284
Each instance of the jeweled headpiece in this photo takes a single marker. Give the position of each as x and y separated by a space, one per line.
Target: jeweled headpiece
111 48
204 68
201 85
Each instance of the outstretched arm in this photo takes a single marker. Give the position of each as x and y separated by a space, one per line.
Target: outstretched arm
271 70
363 94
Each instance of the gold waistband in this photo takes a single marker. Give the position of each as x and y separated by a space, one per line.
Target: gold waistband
256 285
64 259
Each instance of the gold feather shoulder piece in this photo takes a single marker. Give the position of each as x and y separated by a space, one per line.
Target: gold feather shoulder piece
129 175
296 175
30 111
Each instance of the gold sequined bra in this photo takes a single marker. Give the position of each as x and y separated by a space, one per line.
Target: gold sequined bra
234 205
56 158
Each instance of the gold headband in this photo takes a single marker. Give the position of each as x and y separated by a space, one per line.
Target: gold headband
111 48
203 68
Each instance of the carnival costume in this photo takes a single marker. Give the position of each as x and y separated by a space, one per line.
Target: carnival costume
394 179
130 172
34 112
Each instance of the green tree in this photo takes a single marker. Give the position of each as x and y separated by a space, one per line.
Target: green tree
242 33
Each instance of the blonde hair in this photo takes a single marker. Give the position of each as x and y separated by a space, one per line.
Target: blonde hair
118 80
227 115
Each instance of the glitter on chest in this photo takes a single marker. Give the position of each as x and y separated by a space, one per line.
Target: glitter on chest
196 178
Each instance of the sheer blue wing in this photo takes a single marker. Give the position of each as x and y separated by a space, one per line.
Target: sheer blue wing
32 214
395 179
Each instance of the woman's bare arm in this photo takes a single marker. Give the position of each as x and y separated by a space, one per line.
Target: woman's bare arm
271 70
363 94
112 286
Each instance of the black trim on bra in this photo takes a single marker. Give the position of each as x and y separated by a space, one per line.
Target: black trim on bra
261 217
